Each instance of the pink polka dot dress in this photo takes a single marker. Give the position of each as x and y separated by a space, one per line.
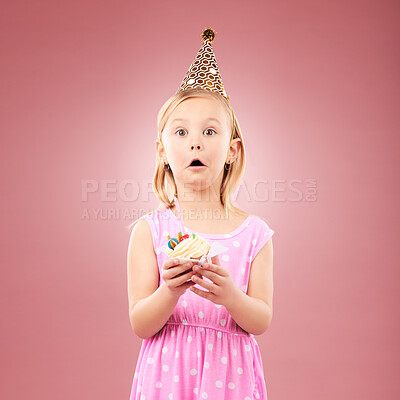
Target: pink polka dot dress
201 352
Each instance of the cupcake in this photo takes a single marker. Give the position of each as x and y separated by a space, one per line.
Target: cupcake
190 246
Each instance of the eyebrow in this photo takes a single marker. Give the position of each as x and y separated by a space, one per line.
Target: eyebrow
185 120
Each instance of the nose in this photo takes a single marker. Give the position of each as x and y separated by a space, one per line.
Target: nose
197 147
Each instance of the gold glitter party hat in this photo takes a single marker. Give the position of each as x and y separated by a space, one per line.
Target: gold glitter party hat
203 71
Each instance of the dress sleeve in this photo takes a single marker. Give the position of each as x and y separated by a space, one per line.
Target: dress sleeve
262 234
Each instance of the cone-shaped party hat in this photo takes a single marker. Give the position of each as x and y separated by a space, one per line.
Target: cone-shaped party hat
203 71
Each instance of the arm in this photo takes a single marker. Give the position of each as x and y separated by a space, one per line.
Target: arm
150 305
150 314
253 311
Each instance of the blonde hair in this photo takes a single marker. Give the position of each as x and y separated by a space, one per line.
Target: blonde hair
163 179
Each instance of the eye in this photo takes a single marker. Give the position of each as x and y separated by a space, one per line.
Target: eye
209 129
179 130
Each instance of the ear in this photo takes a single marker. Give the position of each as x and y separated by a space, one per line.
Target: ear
234 149
160 151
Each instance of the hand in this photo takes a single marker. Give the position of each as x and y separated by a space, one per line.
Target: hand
222 289
176 276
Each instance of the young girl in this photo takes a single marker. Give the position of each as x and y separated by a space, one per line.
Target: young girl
199 340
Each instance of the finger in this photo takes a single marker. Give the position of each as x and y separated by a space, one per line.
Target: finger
202 293
177 281
171 263
213 276
209 267
206 285
180 270
188 285
216 266
175 271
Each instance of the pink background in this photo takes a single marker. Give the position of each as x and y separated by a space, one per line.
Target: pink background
315 88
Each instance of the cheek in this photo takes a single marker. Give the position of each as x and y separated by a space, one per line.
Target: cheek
176 155
171 148
221 151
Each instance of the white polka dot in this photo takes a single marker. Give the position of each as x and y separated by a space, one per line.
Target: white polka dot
165 367
224 360
244 288
247 398
165 233
240 371
142 397
231 385
219 335
184 322
176 354
204 395
165 349
139 388
257 396
206 365
196 390
222 322
172 333
201 329
225 257
193 371
189 339
218 384
242 271
184 303
210 346
150 360
234 352
265 233
198 353
201 314
236 243
170 396
247 347
158 385
176 378
254 241
218 305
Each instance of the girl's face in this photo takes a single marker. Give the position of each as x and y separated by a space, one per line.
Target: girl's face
197 128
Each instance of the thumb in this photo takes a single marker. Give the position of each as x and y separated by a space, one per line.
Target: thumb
215 260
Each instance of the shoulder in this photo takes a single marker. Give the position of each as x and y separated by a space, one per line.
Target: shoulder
262 246
141 231
261 232
151 217
138 221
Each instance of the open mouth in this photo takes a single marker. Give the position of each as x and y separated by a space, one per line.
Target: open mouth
196 163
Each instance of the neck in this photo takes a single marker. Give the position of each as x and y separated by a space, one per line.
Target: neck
199 200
